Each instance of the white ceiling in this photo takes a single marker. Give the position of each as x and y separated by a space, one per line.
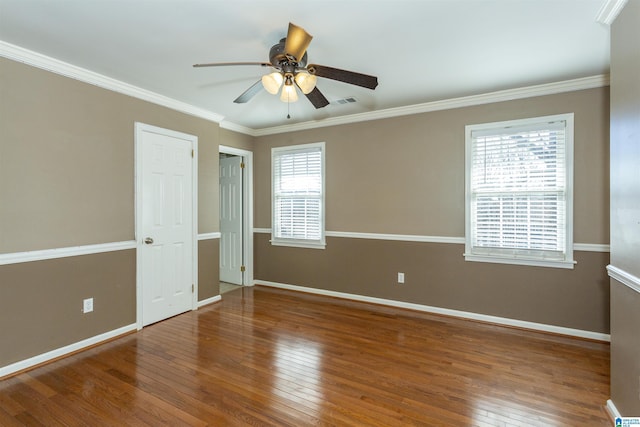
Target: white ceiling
421 50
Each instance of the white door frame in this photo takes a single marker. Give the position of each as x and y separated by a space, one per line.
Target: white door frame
247 208
139 128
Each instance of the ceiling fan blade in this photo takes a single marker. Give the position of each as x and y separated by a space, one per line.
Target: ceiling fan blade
249 93
358 79
297 42
227 64
317 98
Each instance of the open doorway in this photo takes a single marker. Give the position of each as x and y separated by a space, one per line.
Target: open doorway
236 218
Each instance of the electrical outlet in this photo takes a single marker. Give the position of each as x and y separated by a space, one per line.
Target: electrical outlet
400 277
87 305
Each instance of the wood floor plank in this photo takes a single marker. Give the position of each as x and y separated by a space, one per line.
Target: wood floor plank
271 357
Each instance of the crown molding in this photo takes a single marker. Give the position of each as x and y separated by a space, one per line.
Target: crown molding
447 104
47 63
56 66
609 11
225 124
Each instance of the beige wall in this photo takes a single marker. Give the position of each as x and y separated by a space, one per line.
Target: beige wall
208 269
236 140
67 161
437 275
625 208
41 301
67 179
405 175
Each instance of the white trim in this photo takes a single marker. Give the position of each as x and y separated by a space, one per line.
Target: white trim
48 63
581 247
475 253
591 247
208 301
294 243
612 410
398 237
447 104
139 129
609 11
63 351
446 311
494 259
320 243
44 254
225 124
247 203
209 236
624 277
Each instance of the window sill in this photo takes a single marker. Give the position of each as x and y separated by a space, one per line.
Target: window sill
520 261
298 244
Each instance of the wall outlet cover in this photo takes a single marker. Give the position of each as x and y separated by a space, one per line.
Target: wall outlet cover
87 305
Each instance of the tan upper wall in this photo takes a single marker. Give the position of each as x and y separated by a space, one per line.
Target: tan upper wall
405 175
236 140
67 160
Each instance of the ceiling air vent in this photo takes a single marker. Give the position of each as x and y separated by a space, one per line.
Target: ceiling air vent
349 100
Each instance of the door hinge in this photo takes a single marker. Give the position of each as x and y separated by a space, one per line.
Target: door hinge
193 288
192 153
242 268
242 165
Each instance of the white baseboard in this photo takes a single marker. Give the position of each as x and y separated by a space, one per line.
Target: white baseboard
209 301
612 410
63 351
598 336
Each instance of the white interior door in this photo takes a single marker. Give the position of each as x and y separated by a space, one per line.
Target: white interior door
231 219
165 231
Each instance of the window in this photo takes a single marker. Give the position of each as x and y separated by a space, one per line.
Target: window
298 195
519 184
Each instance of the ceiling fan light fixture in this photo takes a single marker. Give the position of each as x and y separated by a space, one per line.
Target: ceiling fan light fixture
306 82
272 82
289 93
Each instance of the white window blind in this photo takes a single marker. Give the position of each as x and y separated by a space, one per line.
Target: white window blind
519 190
298 195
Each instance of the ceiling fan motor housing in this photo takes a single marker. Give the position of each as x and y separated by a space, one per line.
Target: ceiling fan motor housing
279 58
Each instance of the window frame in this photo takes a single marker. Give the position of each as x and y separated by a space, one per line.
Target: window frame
291 242
502 257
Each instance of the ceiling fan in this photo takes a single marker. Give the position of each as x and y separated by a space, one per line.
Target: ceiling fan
289 59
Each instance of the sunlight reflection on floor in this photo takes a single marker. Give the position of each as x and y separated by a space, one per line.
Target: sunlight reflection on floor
507 413
297 365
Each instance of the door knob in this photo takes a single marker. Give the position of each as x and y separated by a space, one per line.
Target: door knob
148 240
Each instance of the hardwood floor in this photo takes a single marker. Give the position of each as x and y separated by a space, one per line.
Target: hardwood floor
265 356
